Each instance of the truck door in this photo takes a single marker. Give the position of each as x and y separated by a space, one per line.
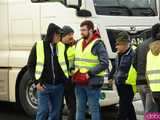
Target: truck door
4 50
24 30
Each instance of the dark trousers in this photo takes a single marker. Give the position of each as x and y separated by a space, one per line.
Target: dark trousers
143 91
157 100
70 98
126 108
152 102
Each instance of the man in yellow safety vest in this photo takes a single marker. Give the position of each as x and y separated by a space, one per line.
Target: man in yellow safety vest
91 61
48 66
147 68
153 72
69 53
125 77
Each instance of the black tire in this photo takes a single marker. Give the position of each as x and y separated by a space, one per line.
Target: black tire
27 95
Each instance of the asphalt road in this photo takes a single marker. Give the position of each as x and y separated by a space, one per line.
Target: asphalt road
9 111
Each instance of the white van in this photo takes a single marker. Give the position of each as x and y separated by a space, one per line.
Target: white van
23 22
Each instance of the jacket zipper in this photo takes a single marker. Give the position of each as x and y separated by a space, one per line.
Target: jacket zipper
52 62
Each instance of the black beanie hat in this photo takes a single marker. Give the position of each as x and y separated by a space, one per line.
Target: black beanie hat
52 29
66 30
123 37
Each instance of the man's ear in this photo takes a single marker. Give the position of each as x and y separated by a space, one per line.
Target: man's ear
90 31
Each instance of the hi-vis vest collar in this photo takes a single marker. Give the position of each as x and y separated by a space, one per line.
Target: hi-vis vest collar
41 58
153 71
84 59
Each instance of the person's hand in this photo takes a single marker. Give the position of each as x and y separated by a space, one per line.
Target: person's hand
40 87
87 75
110 81
143 88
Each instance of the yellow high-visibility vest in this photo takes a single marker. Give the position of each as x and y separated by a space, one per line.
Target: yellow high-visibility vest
132 77
84 59
132 74
40 59
61 58
153 71
71 56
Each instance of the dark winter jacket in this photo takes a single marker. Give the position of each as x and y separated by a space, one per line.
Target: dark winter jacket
122 66
140 61
99 50
52 74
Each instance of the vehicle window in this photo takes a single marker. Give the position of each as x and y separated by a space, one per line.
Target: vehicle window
126 7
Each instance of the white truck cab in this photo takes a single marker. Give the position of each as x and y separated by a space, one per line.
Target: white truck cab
23 22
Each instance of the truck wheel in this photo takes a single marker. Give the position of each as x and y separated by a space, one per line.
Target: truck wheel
27 95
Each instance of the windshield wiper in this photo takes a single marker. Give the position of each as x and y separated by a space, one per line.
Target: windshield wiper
119 10
145 11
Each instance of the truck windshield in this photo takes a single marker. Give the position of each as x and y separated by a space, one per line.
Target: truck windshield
126 7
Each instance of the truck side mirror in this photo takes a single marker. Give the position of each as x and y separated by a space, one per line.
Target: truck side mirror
73 3
84 13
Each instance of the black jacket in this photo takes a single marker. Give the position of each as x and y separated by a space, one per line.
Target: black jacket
121 66
140 61
47 74
52 72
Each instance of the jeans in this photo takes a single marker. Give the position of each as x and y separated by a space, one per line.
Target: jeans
50 102
84 95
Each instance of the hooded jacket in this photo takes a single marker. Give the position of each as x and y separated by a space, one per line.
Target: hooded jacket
139 60
49 72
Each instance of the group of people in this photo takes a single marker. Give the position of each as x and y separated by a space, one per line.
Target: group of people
65 68
136 69
75 70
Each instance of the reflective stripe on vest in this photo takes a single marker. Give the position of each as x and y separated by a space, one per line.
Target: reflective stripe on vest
61 58
153 71
40 59
71 56
132 77
84 59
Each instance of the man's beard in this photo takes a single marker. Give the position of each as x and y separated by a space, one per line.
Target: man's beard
85 37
